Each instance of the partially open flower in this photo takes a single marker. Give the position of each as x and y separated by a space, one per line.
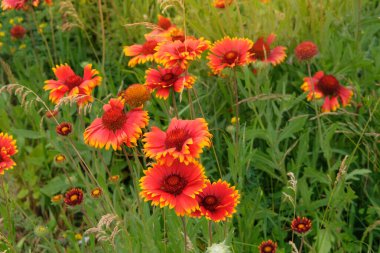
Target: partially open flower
64 129
74 197
97 192
51 114
268 247
60 158
301 225
221 4
306 51
57 198
261 51
114 178
18 32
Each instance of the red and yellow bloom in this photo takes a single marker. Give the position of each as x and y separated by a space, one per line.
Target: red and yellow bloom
174 185
8 148
163 80
306 51
116 127
268 247
183 140
18 32
221 4
141 53
74 197
229 53
261 51
301 225
217 201
68 83
179 53
329 88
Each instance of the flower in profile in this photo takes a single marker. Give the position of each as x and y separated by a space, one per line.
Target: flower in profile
329 88
64 129
116 127
60 158
306 51
180 53
301 225
219 248
221 4
50 114
73 85
217 201
229 53
174 185
114 178
18 32
57 198
96 193
135 95
268 247
163 22
163 80
183 140
8 148
261 51
141 53
74 197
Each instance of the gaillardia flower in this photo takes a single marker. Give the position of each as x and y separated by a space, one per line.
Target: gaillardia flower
114 178
64 129
329 88
141 53
221 4
179 54
18 32
268 247
183 140
73 85
96 193
57 198
8 148
116 127
135 95
174 185
229 53
301 225
74 197
163 80
261 51
50 114
60 158
306 51
217 201
12 4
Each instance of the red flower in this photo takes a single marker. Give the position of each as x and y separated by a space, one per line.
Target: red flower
74 197
180 53
18 32
116 127
164 23
163 80
173 185
306 51
221 4
301 225
261 51
73 85
327 86
135 95
18 4
184 139
268 247
142 53
8 148
50 114
229 53
64 129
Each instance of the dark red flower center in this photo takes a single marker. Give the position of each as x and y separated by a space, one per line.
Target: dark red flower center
260 49
184 49
73 81
210 202
174 184
148 47
329 85
179 37
114 119
169 79
230 57
176 138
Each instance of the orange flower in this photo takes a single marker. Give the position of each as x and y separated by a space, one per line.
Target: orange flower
73 85
229 53
49 2
64 129
178 53
50 114
327 86
135 95
221 4
8 148
74 197
217 201
301 225
164 23
60 158
142 53
114 178
183 140
18 32
261 51
306 51
268 247
57 198
12 4
116 127
163 80
174 185
96 193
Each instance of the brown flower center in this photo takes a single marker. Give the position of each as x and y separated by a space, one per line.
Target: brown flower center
149 46
176 138
210 202
136 95
260 49
73 81
114 119
329 85
169 79
174 184
230 57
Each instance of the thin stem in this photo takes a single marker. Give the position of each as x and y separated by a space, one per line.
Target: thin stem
210 233
236 95
192 111
302 242
175 105
9 218
103 34
184 233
